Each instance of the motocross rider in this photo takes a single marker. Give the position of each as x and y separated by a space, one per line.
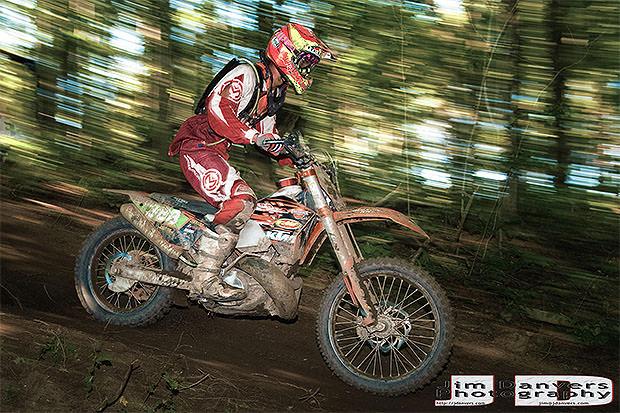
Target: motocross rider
237 110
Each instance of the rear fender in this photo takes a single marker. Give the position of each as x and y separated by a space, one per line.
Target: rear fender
362 214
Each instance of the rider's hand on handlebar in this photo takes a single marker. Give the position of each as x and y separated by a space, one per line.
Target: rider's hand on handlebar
270 142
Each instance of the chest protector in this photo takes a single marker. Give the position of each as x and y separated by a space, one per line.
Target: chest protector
249 114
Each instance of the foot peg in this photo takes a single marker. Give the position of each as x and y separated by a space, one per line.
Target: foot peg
221 294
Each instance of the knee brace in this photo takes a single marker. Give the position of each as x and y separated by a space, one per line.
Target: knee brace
235 212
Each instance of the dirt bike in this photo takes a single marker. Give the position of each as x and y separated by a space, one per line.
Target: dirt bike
384 326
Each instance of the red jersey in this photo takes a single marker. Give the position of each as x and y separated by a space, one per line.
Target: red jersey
220 126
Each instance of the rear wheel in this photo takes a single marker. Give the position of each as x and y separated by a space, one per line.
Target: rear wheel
118 300
407 347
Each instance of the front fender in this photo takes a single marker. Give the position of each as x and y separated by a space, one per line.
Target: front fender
361 214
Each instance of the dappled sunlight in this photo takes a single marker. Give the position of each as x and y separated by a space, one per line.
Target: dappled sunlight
493 125
9 253
450 107
296 376
8 328
28 219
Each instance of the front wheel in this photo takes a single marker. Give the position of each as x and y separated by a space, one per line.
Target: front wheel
410 342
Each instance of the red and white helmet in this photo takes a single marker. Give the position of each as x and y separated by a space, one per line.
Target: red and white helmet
296 50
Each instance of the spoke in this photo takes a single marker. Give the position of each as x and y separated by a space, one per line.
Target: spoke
345 329
357 352
338 340
119 240
415 343
150 248
379 361
383 289
348 302
404 357
141 242
431 337
397 305
105 256
408 339
396 360
350 345
400 287
372 350
346 318
116 248
118 245
415 354
138 302
374 360
413 302
345 322
347 311
353 348
420 308
376 357
390 290
424 327
134 297
423 315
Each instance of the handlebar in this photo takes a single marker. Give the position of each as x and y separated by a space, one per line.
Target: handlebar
296 152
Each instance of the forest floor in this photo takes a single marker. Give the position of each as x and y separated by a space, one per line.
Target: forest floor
54 357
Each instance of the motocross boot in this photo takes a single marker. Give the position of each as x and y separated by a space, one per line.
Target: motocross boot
207 280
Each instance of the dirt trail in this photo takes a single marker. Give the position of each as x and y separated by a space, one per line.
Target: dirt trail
252 364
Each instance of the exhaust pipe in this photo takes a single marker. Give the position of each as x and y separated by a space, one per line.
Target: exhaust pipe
162 278
146 227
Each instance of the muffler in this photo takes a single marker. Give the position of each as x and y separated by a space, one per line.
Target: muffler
146 227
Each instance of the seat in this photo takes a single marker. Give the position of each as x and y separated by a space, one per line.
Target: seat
200 208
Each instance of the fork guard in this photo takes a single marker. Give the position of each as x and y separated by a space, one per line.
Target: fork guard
352 215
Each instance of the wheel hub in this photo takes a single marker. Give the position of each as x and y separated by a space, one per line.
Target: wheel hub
115 282
389 332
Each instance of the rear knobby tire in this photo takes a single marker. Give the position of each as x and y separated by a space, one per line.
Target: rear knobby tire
92 295
334 353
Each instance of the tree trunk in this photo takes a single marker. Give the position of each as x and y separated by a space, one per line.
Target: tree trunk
510 204
558 85
159 53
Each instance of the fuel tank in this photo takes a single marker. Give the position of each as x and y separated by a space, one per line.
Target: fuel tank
284 220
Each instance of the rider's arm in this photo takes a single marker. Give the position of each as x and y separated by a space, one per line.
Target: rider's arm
268 125
223 105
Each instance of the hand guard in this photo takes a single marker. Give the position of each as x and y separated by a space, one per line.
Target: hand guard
270 142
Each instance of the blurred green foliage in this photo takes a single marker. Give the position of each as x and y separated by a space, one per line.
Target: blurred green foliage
500 117
512 102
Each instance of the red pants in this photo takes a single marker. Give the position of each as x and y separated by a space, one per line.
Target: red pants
219 184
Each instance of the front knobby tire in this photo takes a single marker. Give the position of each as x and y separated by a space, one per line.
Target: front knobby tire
416 333
115 300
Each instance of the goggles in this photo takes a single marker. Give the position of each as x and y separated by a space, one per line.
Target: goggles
306 61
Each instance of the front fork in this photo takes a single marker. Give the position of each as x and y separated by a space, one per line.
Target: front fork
343 247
